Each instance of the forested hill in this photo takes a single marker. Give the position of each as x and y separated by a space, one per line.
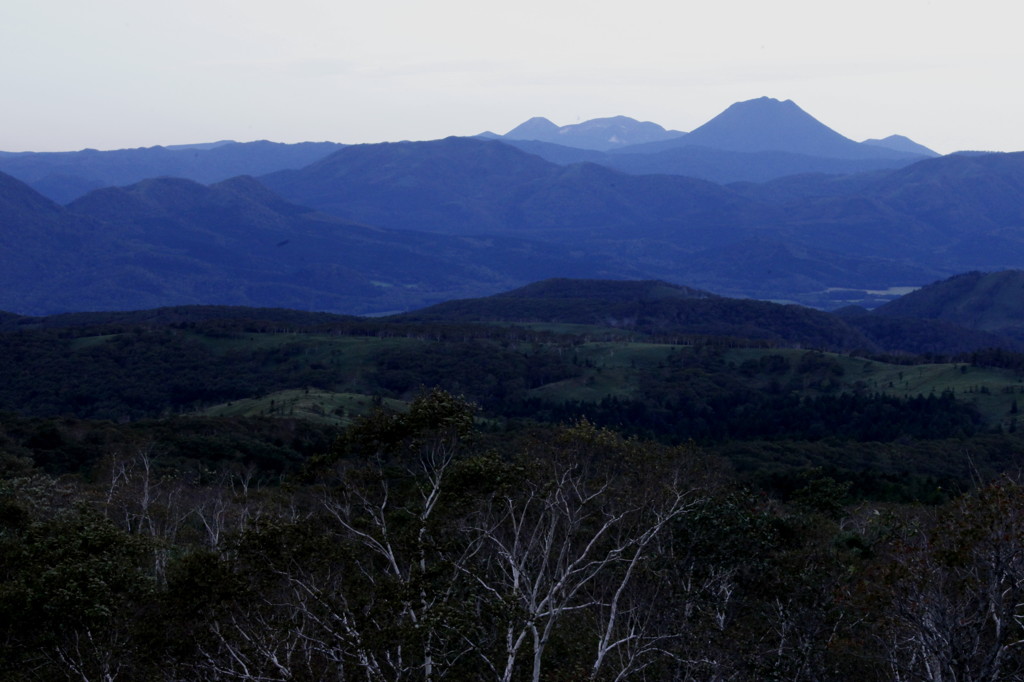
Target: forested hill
655 307
649 308
989 301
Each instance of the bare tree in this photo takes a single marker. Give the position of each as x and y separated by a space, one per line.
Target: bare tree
567 541
954 605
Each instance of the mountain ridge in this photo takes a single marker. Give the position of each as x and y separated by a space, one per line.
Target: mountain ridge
599 134
766 124
65 176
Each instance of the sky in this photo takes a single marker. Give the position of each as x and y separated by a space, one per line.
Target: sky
111 74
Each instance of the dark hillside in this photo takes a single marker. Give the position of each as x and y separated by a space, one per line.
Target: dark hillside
170 241
653 308
992 302
46 251
928 337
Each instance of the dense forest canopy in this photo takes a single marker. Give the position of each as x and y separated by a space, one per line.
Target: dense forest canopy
266 497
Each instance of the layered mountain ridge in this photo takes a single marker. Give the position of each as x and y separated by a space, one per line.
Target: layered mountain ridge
379 228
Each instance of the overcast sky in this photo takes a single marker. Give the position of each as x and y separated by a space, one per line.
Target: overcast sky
112 74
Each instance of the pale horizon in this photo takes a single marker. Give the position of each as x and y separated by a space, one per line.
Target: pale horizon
116 74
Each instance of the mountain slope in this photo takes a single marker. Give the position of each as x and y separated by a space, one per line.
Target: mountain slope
172 241
44 248
992 301
956 213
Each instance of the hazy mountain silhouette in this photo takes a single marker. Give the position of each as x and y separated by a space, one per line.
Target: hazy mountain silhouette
63 176
770 125
596 134
901 143
536 128
754 141
404 224
705 163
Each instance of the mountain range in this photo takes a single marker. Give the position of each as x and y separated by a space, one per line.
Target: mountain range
754 141
63 176
377 228
173 241
600 134
801 238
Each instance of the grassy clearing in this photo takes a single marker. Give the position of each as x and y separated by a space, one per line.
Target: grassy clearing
312 404
992 391
87 342
610 370
580 330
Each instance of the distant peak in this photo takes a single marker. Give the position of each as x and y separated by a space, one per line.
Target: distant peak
901 143
766 102
767 124
597 133
538 125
